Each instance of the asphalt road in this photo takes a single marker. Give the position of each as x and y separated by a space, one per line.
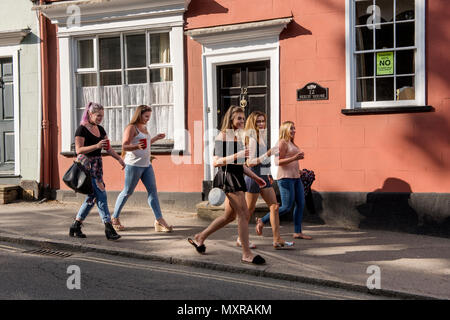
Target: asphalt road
89 276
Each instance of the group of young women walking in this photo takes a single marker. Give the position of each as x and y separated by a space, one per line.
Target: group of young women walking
90 139
241 155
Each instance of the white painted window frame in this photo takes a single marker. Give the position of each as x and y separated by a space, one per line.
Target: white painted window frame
420 66
96 69
67 56
13 52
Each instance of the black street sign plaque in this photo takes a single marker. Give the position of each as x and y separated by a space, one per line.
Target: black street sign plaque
312 91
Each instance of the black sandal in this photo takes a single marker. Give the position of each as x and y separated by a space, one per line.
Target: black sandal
258 260
200 249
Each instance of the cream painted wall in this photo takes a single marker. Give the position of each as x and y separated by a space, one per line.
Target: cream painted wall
17 14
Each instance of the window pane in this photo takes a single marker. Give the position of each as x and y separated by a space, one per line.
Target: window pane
161 75
231 78
405 88
405 34
404 10
136 94
386 9
405 62
110 78
364 90
86 89
364 65
136 51
161 93
110 96
257 76
364 38
384 36
385 89
86 54
110 53
136 76
363 12
159 48
87 80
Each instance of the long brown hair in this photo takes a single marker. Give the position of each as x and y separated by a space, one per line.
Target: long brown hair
137 118
251 129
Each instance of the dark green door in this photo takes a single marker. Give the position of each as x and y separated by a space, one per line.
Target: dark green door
246 85
7 156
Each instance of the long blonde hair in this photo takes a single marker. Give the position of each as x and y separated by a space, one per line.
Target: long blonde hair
227 121
137 118
251 129
285 131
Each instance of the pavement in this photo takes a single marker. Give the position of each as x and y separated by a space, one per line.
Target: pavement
410 266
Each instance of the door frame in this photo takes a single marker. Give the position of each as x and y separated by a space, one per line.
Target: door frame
237 52
13 52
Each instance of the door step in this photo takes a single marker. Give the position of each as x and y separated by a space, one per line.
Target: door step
9 193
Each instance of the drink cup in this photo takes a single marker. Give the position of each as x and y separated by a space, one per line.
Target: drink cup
108 145
144 142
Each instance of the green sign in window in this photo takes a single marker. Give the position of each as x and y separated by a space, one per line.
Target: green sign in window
385 63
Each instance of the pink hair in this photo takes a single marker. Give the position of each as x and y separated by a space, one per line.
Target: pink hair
91 107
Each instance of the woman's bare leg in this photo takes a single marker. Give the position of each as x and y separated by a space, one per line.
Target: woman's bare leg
251 199
220 222
268 194
237 201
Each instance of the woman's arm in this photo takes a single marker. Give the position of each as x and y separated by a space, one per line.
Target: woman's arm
114 154
252 159
254 176
227 159
128 136
159 136
220 162
81 149
282 159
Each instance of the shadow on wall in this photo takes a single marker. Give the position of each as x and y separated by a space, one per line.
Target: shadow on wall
294 30
394 207
388 208
204 7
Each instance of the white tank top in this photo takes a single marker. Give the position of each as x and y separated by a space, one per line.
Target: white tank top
139 158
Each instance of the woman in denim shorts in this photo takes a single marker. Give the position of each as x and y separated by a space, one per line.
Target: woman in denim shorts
259 163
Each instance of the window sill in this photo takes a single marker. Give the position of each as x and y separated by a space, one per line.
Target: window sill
157 149
387 110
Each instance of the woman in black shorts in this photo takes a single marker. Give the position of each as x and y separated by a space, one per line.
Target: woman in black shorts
229 157
259 162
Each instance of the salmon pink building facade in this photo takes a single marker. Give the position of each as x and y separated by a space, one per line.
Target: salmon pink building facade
366 83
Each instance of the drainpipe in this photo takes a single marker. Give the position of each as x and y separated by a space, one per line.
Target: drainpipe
46 146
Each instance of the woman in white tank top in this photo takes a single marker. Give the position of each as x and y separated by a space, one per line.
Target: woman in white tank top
136 146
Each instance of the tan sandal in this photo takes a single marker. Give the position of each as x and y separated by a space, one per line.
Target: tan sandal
283 245
117 225
301 236
161 228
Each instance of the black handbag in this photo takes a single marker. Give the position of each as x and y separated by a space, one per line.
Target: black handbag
78 178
